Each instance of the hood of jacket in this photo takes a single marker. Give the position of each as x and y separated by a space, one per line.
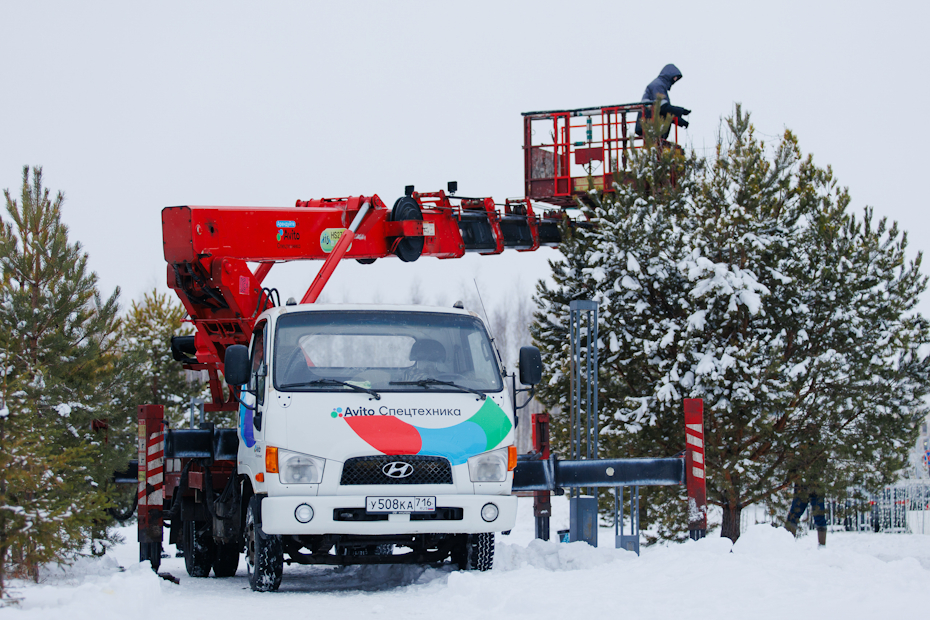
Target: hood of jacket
660 85
668 75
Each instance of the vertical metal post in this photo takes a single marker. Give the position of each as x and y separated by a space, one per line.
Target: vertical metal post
583 382
617 516
583 414
592 378
197 410
622 540
587 399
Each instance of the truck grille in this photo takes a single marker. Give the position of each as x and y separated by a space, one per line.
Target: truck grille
371 470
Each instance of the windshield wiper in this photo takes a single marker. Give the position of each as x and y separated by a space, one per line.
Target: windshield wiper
429 382
357 388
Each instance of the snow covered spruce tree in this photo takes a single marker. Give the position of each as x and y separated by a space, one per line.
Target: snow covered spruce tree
746 282
156 377
60 371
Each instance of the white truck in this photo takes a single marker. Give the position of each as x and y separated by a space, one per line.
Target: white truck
365 434
366 431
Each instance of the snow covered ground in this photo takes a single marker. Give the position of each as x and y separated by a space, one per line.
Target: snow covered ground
766 574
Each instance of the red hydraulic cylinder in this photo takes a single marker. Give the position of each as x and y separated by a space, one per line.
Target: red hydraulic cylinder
342 246
695 478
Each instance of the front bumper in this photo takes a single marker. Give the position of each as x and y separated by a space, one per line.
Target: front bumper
278 516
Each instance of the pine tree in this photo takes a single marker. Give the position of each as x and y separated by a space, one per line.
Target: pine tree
157 378
60 372
744 281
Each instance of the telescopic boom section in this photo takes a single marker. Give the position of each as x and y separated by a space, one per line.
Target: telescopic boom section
208 250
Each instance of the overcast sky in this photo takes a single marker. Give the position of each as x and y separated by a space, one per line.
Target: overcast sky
131 107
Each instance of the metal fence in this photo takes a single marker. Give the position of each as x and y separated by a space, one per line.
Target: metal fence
903 508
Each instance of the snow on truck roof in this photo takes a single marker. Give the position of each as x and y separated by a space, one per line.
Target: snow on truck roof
316 307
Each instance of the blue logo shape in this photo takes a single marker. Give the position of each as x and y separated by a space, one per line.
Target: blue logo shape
245 426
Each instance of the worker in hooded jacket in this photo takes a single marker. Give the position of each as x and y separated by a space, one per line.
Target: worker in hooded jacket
658 91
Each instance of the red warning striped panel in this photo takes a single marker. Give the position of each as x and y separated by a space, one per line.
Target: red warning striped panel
695 478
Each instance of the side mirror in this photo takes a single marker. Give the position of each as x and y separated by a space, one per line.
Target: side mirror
530 366
236 364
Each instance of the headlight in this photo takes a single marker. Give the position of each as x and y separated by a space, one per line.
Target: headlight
488 467
297 468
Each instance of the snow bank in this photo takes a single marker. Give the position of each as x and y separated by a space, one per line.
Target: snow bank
91 589
766 574
553 556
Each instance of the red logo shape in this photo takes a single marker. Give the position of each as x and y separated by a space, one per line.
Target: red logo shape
386 434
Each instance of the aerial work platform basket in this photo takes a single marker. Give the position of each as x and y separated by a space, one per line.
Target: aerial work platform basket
567 153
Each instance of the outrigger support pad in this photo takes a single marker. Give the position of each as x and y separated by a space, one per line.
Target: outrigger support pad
549 475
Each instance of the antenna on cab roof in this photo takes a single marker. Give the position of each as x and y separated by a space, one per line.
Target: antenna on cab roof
487 321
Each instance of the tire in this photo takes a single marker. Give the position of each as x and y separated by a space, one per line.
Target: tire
264 555
126 502
199 548
475 552
226 561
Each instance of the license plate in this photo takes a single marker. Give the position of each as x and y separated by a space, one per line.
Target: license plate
400 505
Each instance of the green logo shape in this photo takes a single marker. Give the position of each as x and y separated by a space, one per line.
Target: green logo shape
493 421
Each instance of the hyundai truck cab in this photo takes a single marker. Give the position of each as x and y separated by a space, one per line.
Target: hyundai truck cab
371 434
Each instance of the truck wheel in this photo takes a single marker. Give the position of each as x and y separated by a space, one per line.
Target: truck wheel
226 561
475 552
264 555
199 548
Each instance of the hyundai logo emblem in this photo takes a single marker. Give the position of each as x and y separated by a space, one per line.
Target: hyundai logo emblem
397 469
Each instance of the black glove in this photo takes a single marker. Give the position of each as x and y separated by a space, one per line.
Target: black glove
685 111
682 122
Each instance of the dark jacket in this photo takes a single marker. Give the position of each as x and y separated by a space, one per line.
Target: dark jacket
658 88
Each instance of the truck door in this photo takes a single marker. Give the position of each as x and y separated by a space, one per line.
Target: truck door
257 380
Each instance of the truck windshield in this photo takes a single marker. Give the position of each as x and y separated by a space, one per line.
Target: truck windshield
383 351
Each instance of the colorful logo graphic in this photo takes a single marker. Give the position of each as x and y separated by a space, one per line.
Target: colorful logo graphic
246 424
390 435
287 234
329 238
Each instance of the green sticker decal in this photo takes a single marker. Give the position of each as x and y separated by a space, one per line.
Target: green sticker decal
329 238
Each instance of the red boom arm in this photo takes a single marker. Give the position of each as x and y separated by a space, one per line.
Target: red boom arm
207 250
